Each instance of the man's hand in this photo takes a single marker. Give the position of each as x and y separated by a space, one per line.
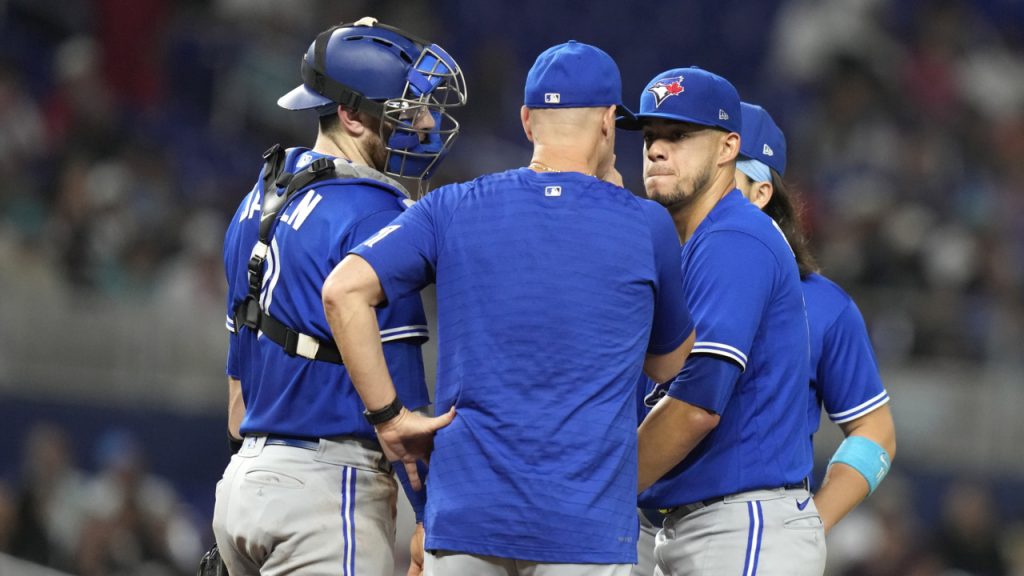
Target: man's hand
409 437
416 551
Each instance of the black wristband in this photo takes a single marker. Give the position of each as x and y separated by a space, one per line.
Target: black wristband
378 417
234 444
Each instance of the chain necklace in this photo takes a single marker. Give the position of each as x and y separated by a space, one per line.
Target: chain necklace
545 168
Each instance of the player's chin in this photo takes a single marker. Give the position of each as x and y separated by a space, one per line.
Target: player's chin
658 186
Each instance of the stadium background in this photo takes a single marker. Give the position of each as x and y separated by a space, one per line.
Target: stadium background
130 130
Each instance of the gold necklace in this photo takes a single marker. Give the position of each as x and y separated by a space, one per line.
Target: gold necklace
545 168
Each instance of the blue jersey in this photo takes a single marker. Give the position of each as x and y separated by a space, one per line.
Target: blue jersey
743 288
292 395
551 288
844 373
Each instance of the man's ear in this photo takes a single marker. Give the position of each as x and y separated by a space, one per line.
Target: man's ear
608 121
761 194
730 148
351 122
524 116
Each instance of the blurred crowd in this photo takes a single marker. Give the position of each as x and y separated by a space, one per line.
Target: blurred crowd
964 536
906 124
120 520
127 137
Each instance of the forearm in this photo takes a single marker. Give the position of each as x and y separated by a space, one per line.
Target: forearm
841 491
844 486
236 408
669 433
351 314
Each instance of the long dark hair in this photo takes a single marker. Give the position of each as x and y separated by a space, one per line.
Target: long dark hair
785 209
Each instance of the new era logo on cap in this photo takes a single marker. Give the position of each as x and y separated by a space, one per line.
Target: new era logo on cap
761 139
722 114
552 98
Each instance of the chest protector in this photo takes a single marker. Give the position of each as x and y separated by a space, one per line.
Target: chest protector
279 187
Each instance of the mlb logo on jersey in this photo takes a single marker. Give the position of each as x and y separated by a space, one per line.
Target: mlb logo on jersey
552 190
552 98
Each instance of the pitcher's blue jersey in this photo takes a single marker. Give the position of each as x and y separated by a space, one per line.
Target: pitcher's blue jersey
551 288
292 395
844 373
743 288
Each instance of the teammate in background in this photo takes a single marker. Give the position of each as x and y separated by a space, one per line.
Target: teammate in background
310 490
724 452
844 373
554 287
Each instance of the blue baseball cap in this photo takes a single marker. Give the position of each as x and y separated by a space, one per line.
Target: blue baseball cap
761 139
574 75
689 95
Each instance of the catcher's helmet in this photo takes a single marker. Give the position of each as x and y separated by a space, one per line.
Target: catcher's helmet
384 72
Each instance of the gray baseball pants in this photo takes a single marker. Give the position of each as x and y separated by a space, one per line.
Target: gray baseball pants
759 533
441 563
326 512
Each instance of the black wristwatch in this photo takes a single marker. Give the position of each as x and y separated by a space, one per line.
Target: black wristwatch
378 417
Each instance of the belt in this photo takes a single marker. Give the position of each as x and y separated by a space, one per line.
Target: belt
657 515
304 443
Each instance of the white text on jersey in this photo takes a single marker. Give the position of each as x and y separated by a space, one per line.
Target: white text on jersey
369 242
252 205
302 210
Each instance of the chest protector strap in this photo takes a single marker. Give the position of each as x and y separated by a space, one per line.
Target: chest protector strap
278 187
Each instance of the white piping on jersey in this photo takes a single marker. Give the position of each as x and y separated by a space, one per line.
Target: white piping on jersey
720 349
403 333
861 409
783 234
417 327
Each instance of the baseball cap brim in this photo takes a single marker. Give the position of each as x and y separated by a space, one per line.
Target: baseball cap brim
302 98
638 120
623 115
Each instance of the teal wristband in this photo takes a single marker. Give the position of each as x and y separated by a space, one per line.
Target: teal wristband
864 456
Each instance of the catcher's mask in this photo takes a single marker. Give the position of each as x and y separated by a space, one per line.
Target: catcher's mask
382 71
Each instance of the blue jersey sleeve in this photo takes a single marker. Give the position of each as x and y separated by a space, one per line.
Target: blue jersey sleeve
231 242
728 282
404 252
847 373
705 381
231 255
672 321
366 228
232 368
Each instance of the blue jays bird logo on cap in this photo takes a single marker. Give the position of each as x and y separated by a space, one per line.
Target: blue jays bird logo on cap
663 89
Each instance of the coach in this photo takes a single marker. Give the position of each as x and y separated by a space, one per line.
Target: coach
554 287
